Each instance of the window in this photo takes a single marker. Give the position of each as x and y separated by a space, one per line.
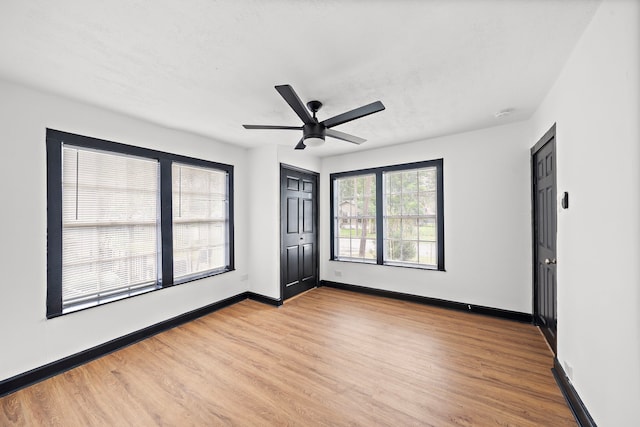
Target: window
355 217
199 220
410 216
125 220
390 215
109 225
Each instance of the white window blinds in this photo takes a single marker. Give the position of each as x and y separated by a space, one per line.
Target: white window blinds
109 226
200 220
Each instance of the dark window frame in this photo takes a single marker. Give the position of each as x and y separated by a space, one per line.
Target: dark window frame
378 171
54 142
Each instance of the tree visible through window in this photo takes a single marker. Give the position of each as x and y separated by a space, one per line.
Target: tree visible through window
410 216
397 208
356 217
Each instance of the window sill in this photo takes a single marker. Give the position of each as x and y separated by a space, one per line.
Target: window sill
203 275
119 297
390 264
413 266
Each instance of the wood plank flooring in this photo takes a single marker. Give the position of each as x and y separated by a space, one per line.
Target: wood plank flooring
328 358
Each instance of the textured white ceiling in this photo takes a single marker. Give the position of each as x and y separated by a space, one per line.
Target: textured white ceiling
207 66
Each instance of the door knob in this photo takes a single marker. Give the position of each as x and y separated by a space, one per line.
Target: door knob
550 261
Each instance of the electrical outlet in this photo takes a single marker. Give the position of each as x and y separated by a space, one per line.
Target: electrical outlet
568 369
338 273
244 277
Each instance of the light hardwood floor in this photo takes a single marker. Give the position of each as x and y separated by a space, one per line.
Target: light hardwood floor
328 358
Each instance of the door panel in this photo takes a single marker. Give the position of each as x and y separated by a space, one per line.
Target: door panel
544 187
299 256
308 264
307 216
292 216
292 265
293 184
307 186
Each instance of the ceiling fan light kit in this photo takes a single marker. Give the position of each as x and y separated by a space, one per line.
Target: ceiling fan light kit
313 141
313 131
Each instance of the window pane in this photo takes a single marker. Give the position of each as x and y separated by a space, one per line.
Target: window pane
410 181
409 203
354 217
393 250
200 216
393 228
427 202
427 179
410 216
394 204
427 229
371 249
394 182
409 229
109 225
428 253
409 251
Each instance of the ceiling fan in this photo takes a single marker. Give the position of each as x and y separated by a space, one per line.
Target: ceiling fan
313 131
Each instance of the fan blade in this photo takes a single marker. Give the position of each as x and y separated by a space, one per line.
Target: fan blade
271 127
300 145
344 136
289 95
374 107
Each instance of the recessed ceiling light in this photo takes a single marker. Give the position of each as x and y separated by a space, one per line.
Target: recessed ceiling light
503 113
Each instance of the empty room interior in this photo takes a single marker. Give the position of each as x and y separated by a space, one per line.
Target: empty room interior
320 213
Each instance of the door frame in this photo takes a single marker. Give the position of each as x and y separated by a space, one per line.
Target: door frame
546 138
316 206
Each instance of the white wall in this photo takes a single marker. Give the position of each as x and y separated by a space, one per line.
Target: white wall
487 202
299 158
264 225
28 339
596 104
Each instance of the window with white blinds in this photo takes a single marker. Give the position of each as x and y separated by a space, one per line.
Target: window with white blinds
109 225
125 220
199 220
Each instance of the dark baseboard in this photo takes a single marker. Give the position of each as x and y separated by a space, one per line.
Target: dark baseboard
576 405
33 376
264 299
478 309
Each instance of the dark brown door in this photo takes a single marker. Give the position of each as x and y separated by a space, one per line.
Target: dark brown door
544 232
299 231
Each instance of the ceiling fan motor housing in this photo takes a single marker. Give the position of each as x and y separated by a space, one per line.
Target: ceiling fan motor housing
314 130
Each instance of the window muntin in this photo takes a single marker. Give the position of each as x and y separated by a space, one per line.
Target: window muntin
355 217
408 218
110 223
200 220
